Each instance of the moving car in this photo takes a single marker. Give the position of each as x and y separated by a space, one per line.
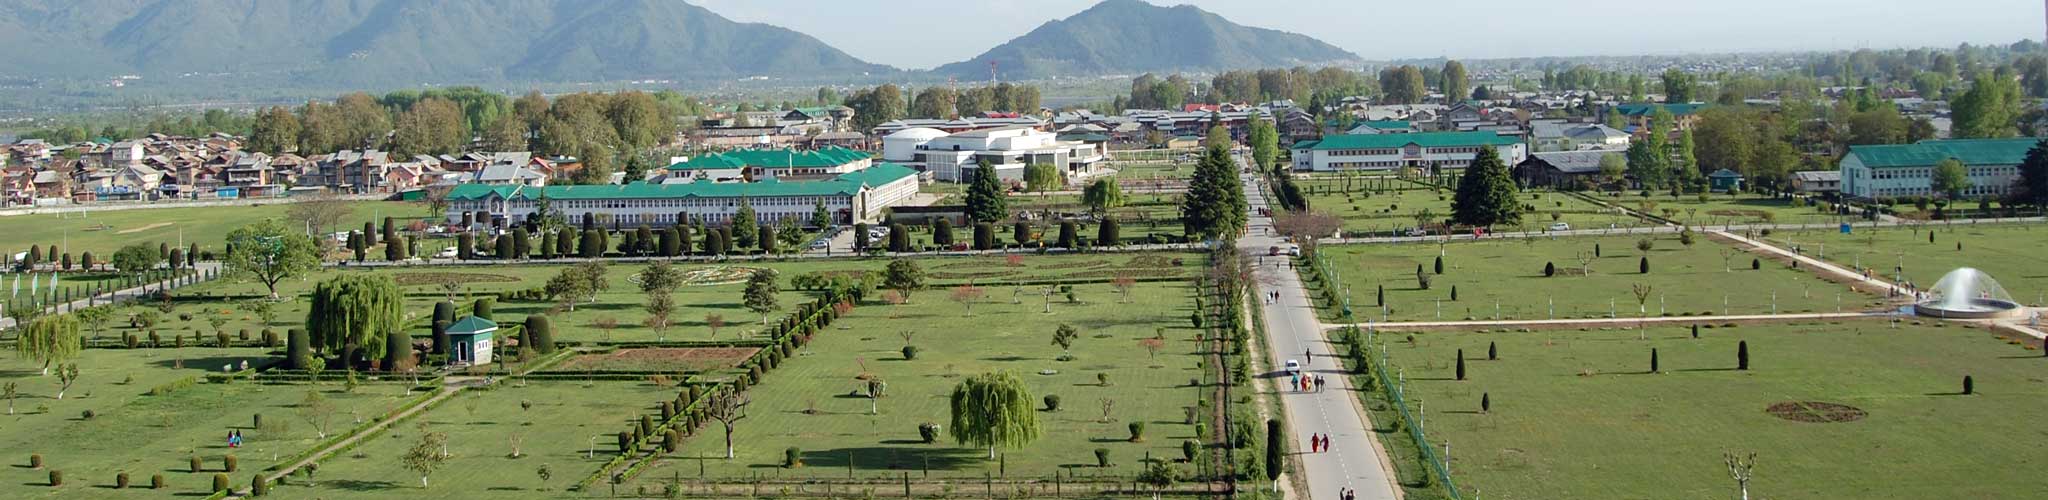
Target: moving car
1293 367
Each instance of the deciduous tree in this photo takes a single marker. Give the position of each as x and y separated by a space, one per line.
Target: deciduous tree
993 409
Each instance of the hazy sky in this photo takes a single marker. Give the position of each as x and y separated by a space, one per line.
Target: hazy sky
924 33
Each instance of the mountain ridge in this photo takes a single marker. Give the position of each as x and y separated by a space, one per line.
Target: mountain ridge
1131 36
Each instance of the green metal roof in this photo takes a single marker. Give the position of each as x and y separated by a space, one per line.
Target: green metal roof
1647 109
1929 152
845 185
471 325
829 156
1305 144
1388 124
1427 139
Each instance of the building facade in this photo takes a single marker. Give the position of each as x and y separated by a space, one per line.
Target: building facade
948 157
1894 170
1428 150
850 197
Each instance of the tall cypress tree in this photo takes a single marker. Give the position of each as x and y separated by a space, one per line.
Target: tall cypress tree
1486 193
745 226
1215 206
2032 188
942 232
985 201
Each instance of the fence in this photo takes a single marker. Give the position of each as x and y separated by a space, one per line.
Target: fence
1390 383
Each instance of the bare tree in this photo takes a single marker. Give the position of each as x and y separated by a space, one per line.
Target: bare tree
436 200
1123 283
1739 468
606 323
728 407
715 321
1307 226
967 295
1585 263
1727 253
320 211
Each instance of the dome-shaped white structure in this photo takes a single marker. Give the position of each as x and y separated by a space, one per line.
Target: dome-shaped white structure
902 145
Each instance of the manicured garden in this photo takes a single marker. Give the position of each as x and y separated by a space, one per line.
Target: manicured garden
1831 410
1390 212
1114 376
1587 278
1717 209
151 411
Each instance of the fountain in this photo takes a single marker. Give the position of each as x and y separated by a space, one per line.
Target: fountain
1967 293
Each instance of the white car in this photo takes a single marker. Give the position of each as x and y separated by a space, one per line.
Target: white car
1293 367
446 253
1560 226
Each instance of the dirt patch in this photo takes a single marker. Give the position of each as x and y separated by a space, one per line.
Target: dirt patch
946 275
1730 212
143 228
1153 261
408 279
1816 412
660 359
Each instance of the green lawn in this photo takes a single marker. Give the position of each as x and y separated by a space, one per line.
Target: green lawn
1379 213
1580 405
2010 253
481 426
1683 280
1722 209
807 405
104 232
144 434
622 301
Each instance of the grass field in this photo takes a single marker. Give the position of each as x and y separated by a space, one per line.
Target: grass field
2010 253
150 434
1580 405
104 232
1394 210
1722 209
1683 280
481 426
807 404
718 292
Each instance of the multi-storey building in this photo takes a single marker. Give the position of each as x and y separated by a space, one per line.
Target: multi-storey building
1893 170
1428 150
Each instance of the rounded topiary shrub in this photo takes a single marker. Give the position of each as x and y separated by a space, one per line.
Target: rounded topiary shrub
1052 402
35 461
229 462
792 457
1137 431
1188 449
928 432
121 481
909 352
156 481
258 487
220 482
197 466
1102 457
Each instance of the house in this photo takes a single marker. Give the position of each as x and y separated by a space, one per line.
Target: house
506 174
470 341
1383 127
1562 169
1894 170
350 170
1296 125
1387 152
1817 182
1725 180
948 157
1638 116
1557 135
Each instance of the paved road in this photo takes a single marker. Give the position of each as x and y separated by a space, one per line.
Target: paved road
1356 460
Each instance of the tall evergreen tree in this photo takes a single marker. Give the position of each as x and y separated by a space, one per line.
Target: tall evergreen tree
2032 188
745 226
1214 207
985 201
1486 194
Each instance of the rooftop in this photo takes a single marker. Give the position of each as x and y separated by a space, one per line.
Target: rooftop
1929 152
1428 139
829 156
845 184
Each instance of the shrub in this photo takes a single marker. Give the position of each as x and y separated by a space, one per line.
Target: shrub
928 432
56 477
671 440
1137 431
909 352
87 415
197 466
1102 457
258 487
156 482
792 457
121 481
1188 448
1549 269
1643 266
228 463
220 482
1052 403
35 461
1969 385
1756 264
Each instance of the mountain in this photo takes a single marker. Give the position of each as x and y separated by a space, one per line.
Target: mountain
1131 36
369 43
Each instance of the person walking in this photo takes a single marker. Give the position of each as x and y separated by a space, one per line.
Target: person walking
1308 355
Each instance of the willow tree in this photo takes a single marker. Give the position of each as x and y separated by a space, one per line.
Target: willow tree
49 339
993 409
351 313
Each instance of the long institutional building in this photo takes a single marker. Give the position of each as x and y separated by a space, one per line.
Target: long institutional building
778 184
1890 171
1427 150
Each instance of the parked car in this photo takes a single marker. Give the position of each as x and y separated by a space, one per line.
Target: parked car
446 253
1560 226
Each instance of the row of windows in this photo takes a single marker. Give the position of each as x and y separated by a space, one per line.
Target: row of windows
1396 151
1971 192
1923 173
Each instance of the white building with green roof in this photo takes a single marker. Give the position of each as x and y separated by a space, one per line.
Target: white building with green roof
1894 170
1382 152
855 196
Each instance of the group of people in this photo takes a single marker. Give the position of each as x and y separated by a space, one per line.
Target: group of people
1347 494
235 438
1318 443
1307 383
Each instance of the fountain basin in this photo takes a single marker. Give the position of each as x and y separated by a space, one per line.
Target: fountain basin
1970 309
